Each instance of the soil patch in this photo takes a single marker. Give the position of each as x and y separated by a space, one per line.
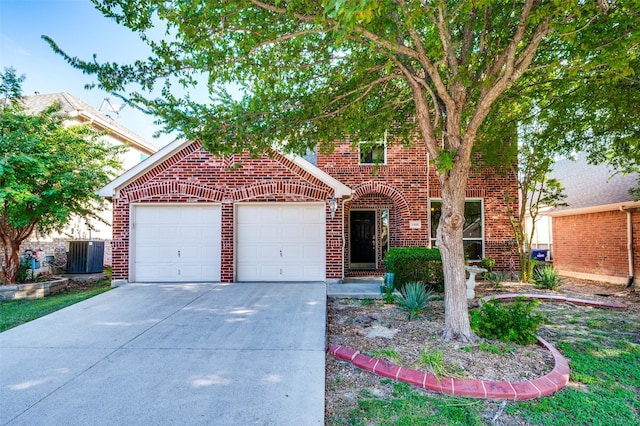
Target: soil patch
383 331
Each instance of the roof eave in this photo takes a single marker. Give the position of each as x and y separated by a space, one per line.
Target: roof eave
595 209
131 139
108 191
339 189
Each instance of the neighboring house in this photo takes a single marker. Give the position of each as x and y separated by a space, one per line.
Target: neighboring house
137 150
597 235
542 235
185 215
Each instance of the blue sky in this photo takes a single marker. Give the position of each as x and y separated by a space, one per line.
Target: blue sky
80 30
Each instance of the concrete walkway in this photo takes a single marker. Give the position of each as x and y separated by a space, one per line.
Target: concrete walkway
234 354
356 288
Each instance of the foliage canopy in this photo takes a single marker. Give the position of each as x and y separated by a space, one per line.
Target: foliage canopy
452 74
48 171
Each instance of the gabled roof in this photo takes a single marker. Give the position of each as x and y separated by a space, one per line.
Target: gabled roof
592 188
84 112
109 190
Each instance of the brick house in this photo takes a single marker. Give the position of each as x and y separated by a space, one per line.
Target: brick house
597 235
185 215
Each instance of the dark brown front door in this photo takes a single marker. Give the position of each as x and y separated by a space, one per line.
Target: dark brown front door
363 239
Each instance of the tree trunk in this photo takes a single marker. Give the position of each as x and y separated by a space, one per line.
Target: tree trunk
449 240
11 239
12 263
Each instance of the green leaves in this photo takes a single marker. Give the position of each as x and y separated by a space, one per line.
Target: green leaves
48 170
513 322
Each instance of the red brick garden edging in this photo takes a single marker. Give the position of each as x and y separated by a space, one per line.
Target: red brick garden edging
473 388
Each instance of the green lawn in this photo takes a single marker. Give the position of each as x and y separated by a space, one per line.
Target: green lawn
603 349
16 312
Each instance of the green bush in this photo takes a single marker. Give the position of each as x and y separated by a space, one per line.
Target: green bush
547 278
24 270
411 264
513 322
413 298
488 264
387 294
496 278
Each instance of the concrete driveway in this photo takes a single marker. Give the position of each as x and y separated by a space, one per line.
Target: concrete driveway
163 354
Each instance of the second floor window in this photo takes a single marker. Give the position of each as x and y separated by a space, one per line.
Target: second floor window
373 153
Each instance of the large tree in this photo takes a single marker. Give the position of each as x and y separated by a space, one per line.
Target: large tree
48 171
314 71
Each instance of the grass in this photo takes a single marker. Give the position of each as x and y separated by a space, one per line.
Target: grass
603 350
387 354
16 312
405 406
435 362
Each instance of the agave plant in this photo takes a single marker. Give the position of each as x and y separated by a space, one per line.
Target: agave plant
547 278
413 298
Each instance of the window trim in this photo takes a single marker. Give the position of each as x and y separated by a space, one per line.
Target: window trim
432 240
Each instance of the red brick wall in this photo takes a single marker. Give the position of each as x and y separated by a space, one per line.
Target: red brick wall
404 187
193 175
406 184
595 243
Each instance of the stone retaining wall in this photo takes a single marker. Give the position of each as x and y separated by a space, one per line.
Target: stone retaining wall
33 290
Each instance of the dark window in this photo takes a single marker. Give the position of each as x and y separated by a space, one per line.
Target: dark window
372 153
472 234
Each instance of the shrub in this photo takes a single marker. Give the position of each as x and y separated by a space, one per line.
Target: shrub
547 278
24 270
411 264
488 264
387 294
496 278
514 322
413 298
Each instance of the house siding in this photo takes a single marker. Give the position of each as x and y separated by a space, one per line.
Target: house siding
193 175
404 186
596 244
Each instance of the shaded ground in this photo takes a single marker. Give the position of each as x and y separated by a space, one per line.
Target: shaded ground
383 331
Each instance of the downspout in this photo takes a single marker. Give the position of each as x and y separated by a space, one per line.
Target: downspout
344 239
629 245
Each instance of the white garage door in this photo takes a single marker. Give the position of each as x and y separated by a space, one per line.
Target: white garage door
280 242
176 243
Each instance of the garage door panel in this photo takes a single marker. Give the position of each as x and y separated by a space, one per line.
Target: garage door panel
151 253
196 271
313 234
210 233
291 215
280 242
268 233
163 271
314 215
248 252
174 243
198 252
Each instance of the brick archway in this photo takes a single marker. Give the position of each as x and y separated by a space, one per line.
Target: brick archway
292 190
398 199
164 190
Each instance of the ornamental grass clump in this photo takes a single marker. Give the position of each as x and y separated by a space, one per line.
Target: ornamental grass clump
547 278
414 298
513 322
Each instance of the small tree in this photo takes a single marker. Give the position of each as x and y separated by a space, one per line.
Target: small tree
48 171
537 191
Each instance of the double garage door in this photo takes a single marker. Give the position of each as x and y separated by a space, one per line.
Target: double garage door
273 242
